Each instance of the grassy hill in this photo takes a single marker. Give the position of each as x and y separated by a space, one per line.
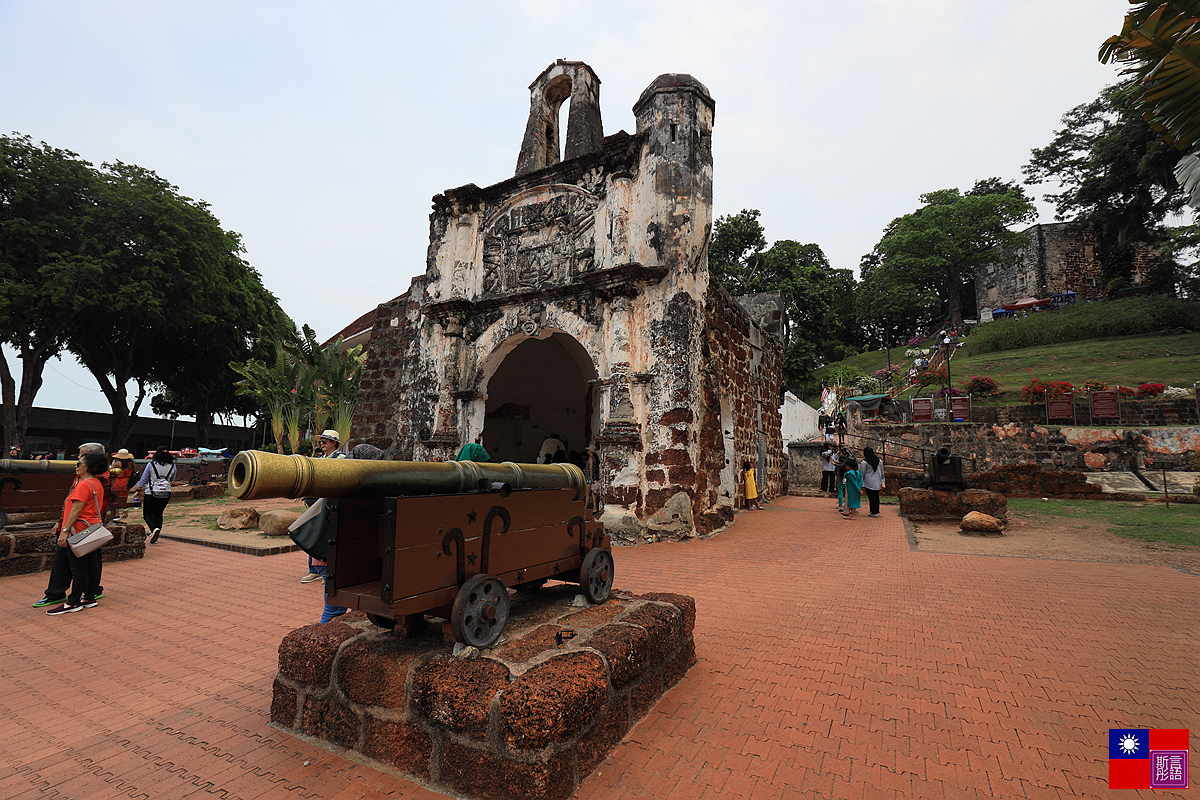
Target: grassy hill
1173 360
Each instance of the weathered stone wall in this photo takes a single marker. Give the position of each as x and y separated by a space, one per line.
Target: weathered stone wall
1055 258
529 719
604 257
1134 413
30 548
987 446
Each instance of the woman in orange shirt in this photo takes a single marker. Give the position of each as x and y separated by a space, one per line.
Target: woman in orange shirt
84 507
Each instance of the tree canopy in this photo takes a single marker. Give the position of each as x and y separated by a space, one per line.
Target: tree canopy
1158 46
1115 173
938 247
142 283
46 197
818 301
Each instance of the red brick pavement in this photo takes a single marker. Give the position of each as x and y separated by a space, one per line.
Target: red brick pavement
834 662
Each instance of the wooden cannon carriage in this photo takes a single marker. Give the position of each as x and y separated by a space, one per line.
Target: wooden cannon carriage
34 487
448 539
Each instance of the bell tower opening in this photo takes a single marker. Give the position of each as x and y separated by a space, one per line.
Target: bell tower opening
539 390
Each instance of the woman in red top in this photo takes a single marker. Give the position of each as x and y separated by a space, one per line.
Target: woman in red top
84 507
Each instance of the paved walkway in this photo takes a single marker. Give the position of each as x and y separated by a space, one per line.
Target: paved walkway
834 663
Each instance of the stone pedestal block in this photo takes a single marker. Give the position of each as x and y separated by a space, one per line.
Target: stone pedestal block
936 504
530 718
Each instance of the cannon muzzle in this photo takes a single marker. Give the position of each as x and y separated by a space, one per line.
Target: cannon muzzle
255 474
17 466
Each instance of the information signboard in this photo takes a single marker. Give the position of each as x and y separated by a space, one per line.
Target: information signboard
1061 406
922 409
960 408
1106 403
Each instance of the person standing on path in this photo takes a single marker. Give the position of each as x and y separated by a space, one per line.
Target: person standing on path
751 486
59 581
871 468
854 484
329 444
83 507
154 489
827 468
372 453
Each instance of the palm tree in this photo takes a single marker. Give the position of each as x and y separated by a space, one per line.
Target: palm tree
1159 45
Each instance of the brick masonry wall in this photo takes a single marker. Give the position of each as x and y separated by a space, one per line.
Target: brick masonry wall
28 549
989 445
389 403
751 383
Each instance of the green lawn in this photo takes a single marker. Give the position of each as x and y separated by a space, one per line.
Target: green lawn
1119 360
1149 522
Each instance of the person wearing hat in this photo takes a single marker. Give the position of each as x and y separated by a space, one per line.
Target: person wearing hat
122 470
329 444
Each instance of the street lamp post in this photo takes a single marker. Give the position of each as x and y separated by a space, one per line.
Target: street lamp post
949 386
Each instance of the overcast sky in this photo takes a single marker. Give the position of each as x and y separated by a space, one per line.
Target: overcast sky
321 130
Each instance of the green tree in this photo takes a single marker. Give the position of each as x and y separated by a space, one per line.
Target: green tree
940 245
735 253
890 304
46 198
1157 46
818 301
171 306
1115 174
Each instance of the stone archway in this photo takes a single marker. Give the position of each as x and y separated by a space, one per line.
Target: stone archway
540 389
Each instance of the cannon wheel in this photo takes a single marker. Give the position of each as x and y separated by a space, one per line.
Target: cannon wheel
596 575
480 611
381 622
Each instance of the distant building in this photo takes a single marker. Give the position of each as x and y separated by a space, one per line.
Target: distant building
1057 258
55 430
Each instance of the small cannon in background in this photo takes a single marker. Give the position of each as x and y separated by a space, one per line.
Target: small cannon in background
946 470
33 487
409 538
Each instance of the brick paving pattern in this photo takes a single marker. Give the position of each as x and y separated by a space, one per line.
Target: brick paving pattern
834 663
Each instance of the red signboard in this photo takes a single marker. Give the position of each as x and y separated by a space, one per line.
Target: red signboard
922 409
1106 404
1061 406
960 408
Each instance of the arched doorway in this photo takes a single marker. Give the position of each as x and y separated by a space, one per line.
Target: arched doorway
539 390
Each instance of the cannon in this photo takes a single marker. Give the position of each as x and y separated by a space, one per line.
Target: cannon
448 539
33 487
946 470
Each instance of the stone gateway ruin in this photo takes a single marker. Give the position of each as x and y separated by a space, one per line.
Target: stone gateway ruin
571 306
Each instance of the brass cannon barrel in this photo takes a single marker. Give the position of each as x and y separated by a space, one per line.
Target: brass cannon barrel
255 474
18 466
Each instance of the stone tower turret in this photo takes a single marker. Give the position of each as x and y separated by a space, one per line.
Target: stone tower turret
585 131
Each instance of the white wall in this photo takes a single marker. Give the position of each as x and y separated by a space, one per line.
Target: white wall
799 419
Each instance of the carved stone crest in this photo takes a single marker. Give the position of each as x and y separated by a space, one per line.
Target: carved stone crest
540 245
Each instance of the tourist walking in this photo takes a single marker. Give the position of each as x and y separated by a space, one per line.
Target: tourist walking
871 467
83 508
154 489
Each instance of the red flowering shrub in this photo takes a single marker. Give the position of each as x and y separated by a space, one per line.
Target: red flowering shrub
1126 391
1036 391
1150 390
981 385
1093 386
